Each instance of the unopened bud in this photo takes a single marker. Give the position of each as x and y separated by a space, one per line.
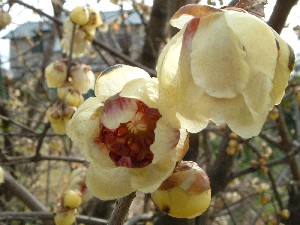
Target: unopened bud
71 199
64 216
80 15
56 74
186 193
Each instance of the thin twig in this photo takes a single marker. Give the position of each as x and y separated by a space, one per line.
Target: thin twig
22 193
274 188
41 140
228 210
34 159
8 216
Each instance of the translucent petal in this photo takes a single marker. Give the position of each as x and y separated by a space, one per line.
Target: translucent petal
97 154
85 121
149 178
117 110
187 12
166 139
108 184
112 80
284 66
218 58
257 39
167 65
145 90
257 92
235 113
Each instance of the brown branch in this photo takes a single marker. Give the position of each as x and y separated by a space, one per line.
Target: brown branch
269 164
34 159
8 216
274 188
22 193
220 170
121 209
280 13
41 139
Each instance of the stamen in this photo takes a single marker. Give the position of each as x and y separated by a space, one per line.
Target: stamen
129 144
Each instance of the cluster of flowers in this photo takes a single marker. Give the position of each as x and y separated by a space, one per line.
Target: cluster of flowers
76 195
65 212
86 20
135 131
71 85
5 19
233 144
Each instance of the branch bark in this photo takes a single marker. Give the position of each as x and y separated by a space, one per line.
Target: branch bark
121 209
280 13
22 194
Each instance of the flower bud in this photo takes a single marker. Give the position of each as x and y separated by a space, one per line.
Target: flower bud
71 199
94 18
5 19
83 77
274 114
53 114
64 216
59 127
56 74
186 193
1 175
265 199
59 115
79 15
70 95
230 150
285 214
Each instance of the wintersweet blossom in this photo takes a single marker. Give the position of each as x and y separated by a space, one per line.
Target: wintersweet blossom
81 43
226 66
1 175
130 145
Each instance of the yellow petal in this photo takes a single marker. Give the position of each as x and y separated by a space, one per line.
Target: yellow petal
117 110
145 90
256 38
284 66
218 58
149 178
108 184
187 12
166 138
97 154
85 121
235 113
257 92
112 80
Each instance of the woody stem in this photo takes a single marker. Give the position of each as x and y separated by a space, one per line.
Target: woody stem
121 209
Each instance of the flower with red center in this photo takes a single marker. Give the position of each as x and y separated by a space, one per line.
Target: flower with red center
227 66
130 145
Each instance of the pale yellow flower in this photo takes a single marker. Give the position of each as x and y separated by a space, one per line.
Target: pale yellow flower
83 78
130 145
81 44
224 66
1 175
56 74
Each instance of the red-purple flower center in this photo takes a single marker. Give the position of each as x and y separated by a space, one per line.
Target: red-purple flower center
129 144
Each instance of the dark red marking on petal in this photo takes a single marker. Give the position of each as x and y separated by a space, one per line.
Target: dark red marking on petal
129 144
